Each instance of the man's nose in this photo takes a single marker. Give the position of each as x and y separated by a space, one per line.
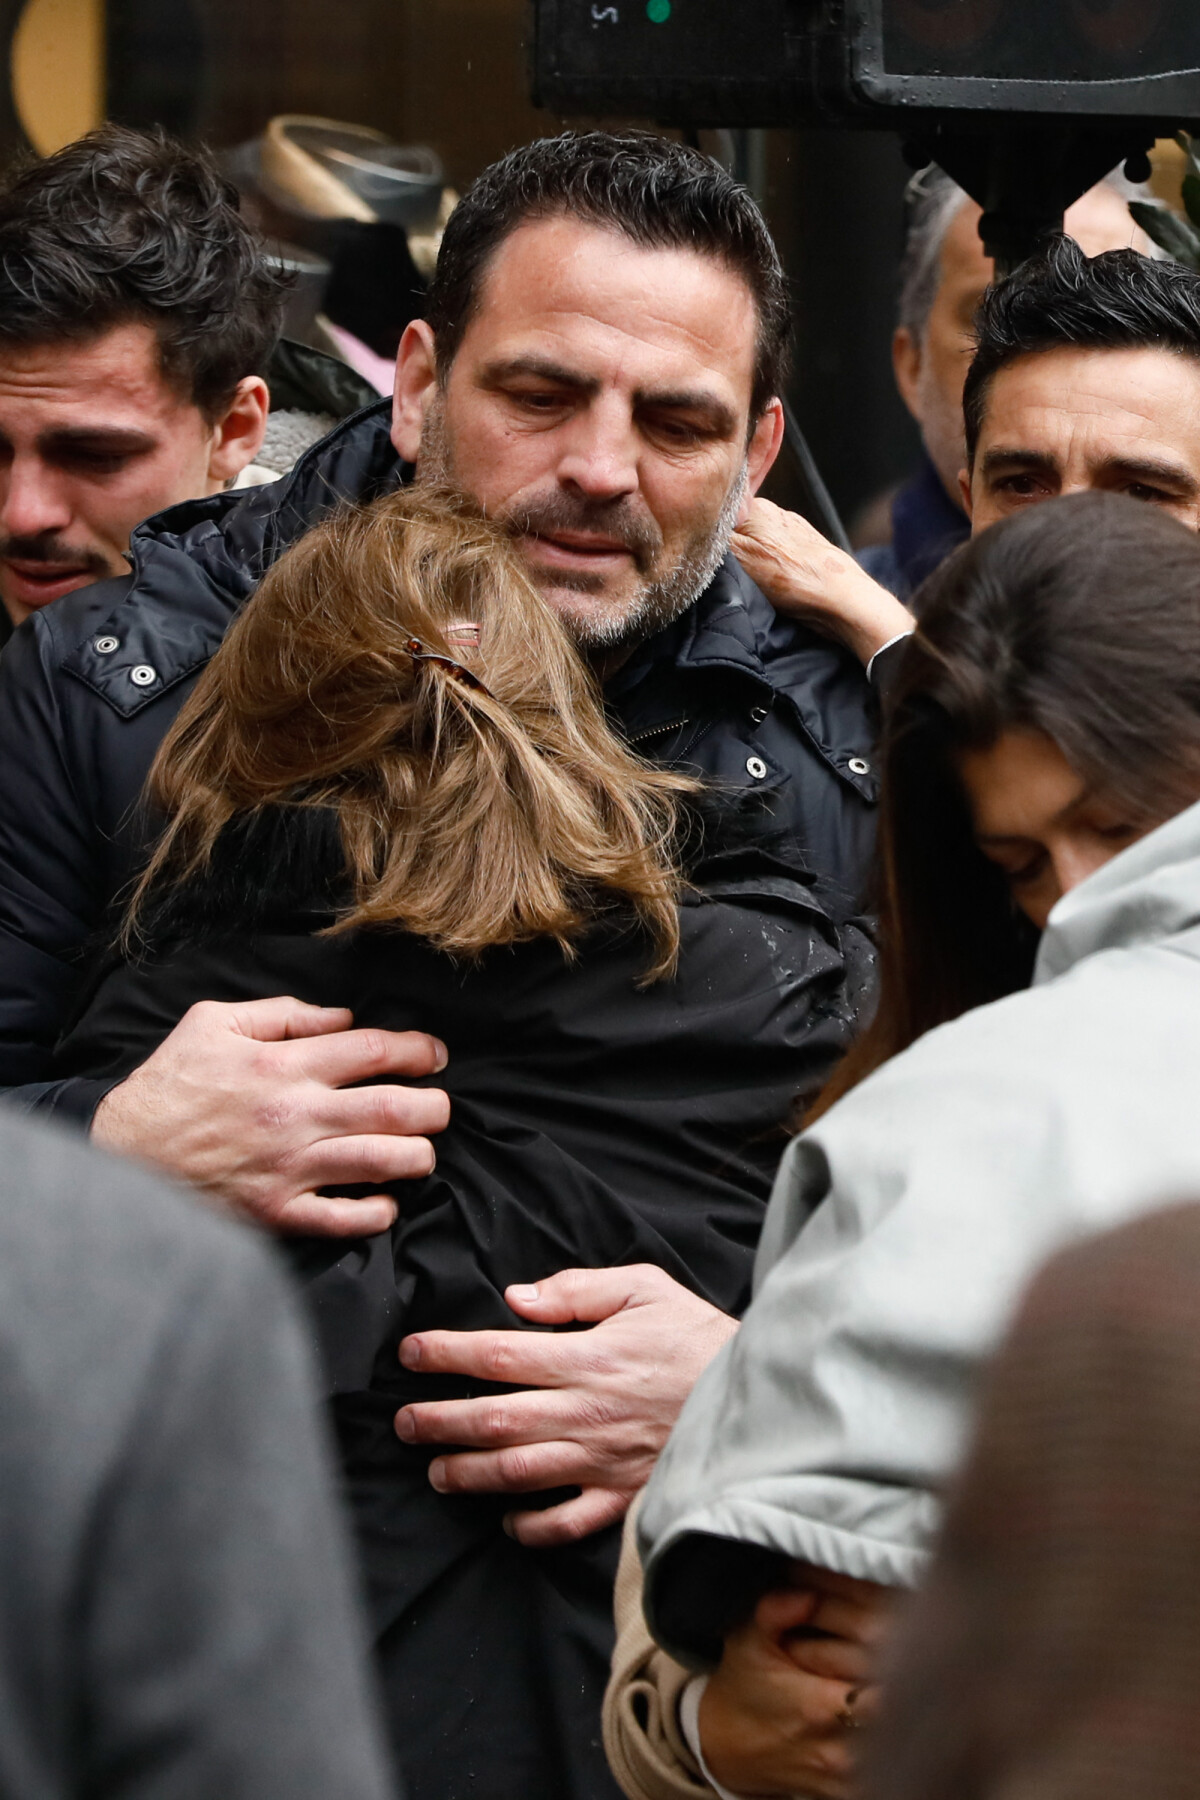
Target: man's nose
32 500
599 452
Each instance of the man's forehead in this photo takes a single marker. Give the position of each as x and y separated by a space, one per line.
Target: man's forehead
591 292
1113 397
118 368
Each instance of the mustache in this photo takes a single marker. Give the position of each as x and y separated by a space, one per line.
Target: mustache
551 513
49 548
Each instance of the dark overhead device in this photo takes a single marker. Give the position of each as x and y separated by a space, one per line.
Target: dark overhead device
868 62
1025 102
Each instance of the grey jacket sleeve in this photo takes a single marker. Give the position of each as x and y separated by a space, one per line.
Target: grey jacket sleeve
220 1644
902 1228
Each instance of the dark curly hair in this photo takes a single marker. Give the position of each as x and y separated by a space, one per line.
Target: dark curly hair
130 226
661 194
1062 300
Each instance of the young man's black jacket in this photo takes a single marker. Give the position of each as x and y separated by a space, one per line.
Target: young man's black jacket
88 687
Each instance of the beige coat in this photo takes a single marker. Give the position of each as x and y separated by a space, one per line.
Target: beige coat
642 1737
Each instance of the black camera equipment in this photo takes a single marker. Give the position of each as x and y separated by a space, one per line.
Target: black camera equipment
1025 102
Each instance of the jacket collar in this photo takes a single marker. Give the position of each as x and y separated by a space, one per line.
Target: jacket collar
195 566
720 632
1147 893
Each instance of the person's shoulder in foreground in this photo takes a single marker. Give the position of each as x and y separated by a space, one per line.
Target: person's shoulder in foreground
176 1612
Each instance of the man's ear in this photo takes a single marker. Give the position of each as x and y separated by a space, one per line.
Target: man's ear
416 384
964 488
907 357
238 434
766 441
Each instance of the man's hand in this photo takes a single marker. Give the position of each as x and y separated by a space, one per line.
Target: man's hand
603 1401
806 577
778 1715
249 1102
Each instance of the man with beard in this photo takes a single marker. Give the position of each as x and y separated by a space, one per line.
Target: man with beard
599 367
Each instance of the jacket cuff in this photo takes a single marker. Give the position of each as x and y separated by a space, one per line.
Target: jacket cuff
689 1724
881 670
73 1101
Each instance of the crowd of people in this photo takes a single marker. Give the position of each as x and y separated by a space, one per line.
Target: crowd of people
660 986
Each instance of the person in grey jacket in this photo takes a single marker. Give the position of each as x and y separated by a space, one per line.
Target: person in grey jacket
1042 777
177 1616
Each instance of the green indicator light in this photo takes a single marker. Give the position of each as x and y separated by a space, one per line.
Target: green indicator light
658 11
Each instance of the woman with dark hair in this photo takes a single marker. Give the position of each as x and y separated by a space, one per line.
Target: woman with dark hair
394 788
1029 1076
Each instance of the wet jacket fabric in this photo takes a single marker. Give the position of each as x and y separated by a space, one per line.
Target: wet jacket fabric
594 1122
89 686
903 1226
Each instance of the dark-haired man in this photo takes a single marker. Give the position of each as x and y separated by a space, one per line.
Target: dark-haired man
600 366
136 316
1086 374
943 276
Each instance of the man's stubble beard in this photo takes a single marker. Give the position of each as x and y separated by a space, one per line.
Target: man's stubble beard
656 602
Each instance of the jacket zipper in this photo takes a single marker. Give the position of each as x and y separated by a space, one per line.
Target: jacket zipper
654 731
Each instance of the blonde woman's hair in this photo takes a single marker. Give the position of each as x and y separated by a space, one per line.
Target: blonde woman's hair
398 667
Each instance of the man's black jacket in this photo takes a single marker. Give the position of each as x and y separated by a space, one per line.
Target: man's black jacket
779 717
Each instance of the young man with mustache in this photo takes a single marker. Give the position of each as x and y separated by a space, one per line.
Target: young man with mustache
136 314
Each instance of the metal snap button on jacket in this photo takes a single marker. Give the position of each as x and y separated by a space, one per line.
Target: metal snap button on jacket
757 714
104 646
143 675
756 766
857 766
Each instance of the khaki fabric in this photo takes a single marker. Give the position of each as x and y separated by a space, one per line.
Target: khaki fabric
642 1736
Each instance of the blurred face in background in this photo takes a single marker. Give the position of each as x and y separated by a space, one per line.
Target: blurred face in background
600 403
93 440
930 372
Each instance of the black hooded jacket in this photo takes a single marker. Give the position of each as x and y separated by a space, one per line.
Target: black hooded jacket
778 716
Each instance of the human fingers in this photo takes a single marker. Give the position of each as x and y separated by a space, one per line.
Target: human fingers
571 1520
319 1215
766 525
276 1019
859 1621
491 1422
768 1727
523 1469
517 1358
784 1609
850 1606
588 1295
350 1161
384 1109
830 1658
346 1056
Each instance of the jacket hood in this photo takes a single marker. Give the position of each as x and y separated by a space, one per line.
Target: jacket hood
1149 892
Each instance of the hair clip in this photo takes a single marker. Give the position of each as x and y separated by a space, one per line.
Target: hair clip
419 653
465 633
